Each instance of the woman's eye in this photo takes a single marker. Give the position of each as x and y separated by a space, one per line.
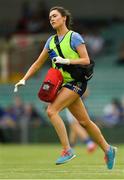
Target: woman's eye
54 15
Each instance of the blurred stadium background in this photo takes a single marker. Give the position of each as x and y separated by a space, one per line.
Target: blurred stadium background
24 29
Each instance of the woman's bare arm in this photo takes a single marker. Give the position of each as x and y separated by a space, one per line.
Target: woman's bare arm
84 58
37 64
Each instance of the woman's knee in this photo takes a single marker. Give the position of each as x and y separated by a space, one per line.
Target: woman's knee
51 111
84 123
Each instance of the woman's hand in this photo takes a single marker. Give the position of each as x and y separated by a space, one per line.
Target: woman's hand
61 60
20 83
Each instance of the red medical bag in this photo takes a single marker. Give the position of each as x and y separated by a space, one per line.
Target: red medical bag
51 85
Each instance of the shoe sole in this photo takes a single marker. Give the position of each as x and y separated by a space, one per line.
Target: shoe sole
66 160
115 151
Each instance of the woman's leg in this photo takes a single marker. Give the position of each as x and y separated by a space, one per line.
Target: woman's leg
63 99
78 110
72 136
75 127
79 130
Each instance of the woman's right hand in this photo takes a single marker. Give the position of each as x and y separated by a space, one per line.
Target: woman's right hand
20 83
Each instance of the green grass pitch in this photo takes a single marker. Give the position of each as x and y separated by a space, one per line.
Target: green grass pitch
38 162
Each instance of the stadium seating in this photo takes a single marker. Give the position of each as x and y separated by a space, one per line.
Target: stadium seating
105 85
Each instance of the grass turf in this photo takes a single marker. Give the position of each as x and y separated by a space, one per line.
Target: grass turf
38 162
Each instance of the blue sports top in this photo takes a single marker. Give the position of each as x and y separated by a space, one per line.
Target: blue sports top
76 40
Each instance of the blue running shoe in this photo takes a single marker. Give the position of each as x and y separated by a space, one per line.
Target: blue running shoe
66 156
110 157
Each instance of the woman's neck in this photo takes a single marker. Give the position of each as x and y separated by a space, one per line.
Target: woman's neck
62 31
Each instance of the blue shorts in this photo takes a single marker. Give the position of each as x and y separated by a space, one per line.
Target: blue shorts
78 87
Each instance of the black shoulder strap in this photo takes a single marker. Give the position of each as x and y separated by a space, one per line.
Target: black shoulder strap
56 40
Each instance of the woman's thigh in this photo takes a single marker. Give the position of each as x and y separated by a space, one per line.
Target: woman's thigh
63 99
79 111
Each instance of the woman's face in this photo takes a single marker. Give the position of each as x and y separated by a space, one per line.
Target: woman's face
56 19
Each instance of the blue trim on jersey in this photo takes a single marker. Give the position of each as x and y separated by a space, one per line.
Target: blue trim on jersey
76 40
48 42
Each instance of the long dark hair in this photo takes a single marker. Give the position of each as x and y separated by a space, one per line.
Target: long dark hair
64 12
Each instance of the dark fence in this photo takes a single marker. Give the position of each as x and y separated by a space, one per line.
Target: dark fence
47 134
